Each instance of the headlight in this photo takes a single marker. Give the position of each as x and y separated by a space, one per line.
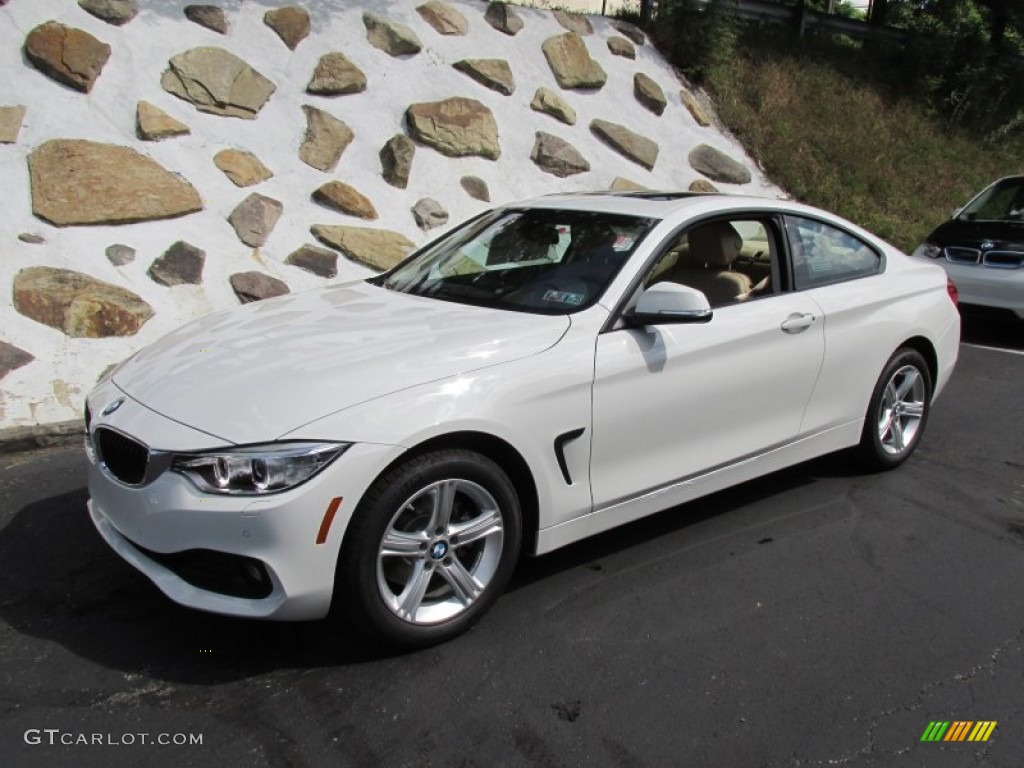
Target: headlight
927 250
257 469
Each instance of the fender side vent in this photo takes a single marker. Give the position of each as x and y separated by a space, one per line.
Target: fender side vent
560 442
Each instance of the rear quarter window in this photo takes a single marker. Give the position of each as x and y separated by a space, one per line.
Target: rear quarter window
823 254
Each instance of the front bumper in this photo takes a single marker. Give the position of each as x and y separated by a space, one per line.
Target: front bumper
261 557
987 286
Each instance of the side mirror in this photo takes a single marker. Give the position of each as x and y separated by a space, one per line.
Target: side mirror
670 303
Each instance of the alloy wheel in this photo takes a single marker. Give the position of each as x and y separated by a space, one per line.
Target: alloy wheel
440 551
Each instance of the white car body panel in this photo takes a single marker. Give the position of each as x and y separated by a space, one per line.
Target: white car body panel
865 321
690 400
667 413
319 351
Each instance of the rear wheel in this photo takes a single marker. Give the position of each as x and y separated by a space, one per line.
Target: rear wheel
431 546
898 411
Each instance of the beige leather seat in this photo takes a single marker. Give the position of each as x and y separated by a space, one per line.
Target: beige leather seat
707 264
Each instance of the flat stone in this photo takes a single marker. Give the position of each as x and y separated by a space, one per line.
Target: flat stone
695 108
557 156
78 305
649 93
703 185
620 46
319 261
476 188
31 238
570 62
631 31
396 160
119 255
335 75
12 357
10 123
378 249
429 214
83 182
326 139
67 55
254 219
622 184
574 22
216 81
346 199
443 18
491 73
550 103
116 12
718 166
456 127
503 18
256 286
391 37
630 145
209 16
243 168
181 264
153 124
291 24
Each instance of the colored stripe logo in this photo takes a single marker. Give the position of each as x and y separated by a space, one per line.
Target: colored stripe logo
958 730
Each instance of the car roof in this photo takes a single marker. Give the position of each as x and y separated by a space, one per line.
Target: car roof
661 204
677 205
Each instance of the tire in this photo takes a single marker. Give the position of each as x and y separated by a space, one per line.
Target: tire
898 411
430 547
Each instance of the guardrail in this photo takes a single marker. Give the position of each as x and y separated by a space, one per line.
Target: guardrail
804 18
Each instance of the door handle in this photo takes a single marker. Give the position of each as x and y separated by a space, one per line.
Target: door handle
797 322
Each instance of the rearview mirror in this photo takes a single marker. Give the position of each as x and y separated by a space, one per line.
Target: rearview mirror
670 303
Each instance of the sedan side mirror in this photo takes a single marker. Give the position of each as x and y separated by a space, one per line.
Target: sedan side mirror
670 303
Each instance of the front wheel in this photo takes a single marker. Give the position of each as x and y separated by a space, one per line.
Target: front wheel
898 411
430 547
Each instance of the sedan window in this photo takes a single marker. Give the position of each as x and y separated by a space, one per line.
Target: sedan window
823 254
729 260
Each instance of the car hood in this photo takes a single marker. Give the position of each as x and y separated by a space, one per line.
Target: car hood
254 373
972 233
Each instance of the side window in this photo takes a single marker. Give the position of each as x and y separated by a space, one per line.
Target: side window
823 254
729 260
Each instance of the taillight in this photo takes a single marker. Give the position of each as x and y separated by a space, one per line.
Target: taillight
954 294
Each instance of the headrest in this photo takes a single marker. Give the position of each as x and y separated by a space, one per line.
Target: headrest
522 241
540 233
716 244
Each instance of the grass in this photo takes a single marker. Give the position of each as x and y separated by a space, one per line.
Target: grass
847 145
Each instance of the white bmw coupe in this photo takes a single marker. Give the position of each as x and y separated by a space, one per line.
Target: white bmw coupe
548 370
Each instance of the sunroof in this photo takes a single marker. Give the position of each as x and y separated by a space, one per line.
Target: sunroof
644 194
656 195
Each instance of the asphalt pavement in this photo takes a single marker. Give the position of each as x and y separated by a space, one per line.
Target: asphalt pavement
816 617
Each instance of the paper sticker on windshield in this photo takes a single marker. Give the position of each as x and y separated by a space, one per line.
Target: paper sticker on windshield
564 297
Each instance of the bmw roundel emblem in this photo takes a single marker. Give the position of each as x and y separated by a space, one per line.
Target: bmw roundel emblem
987 245
439 550
112 406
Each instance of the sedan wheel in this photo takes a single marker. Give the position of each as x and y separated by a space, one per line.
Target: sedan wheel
440 552
898 411
430 548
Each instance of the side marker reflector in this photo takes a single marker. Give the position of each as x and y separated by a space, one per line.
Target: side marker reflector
325 524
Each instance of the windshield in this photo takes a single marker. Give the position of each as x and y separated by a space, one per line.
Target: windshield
1003 201
537 260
